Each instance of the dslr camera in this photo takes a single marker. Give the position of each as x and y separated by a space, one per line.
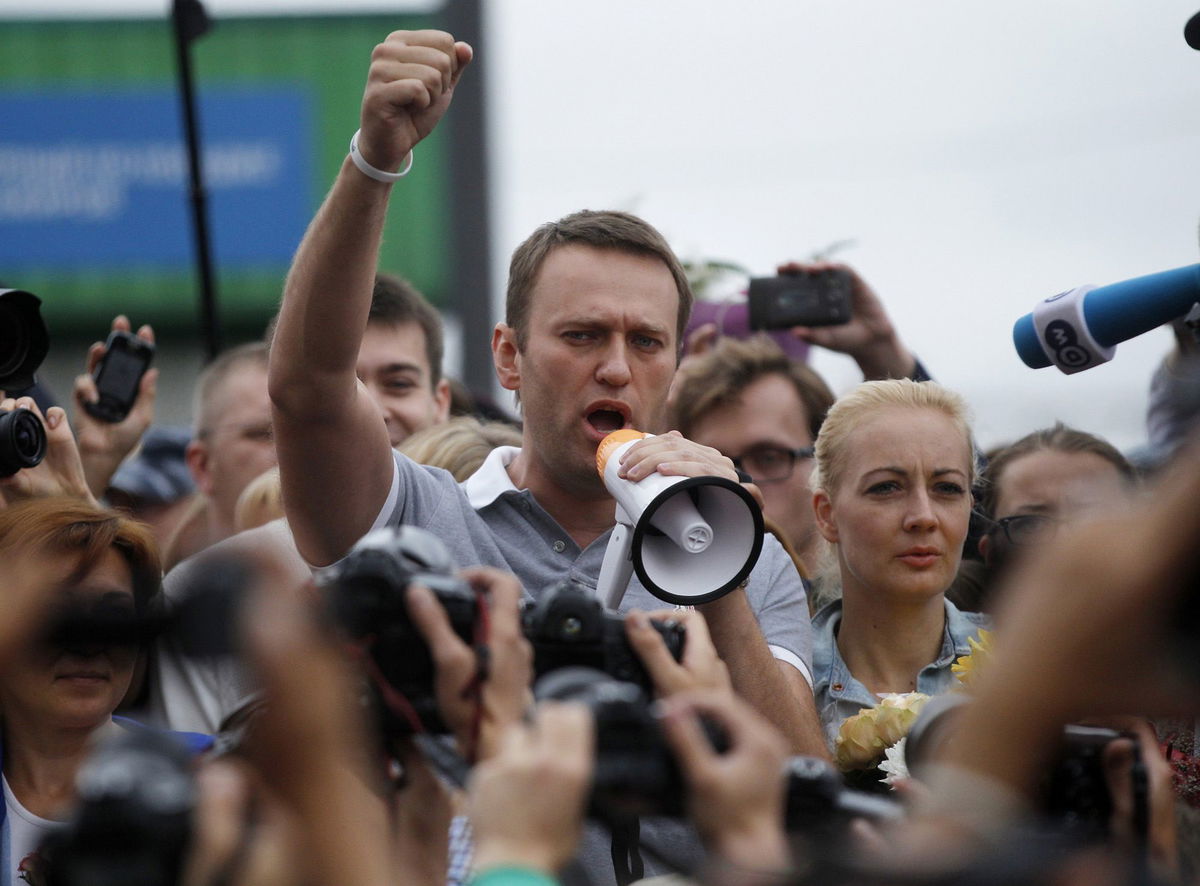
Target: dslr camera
367 594
1073 791
635 772
568 627
133 823
24 344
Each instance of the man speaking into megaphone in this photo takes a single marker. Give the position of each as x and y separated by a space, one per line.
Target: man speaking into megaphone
595 309
689 539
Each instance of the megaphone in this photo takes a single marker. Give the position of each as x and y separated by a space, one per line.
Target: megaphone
689 539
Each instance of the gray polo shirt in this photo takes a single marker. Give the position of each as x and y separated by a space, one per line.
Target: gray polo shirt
488 521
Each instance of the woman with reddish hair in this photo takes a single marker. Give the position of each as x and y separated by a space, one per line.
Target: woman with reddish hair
56 700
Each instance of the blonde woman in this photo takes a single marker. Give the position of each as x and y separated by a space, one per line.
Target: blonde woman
892 494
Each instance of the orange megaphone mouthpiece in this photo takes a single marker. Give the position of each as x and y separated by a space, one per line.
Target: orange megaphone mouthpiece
614 441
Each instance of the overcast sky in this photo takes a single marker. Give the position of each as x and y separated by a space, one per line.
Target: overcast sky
981 155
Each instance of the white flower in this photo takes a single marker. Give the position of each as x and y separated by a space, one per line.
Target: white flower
893 767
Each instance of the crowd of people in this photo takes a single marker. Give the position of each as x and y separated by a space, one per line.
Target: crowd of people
944 665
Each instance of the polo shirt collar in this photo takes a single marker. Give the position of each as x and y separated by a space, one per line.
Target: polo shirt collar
491 480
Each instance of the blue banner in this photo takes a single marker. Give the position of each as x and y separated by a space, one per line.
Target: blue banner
100 180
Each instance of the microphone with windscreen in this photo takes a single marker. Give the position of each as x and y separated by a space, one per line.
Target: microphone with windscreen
689 539
1080 328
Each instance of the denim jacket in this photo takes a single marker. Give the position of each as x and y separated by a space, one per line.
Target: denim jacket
839 695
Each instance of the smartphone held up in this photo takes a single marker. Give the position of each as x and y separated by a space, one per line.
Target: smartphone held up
118 376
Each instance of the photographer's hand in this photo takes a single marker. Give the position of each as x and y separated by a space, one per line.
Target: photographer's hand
870 337
700 666
241 835
104 445
422 813
735 798
1161 839
478 722
60 472
527 801
310 742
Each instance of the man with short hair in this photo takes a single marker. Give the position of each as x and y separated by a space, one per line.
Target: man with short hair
231 440
400 359
596 307
749 400
763 409
399 366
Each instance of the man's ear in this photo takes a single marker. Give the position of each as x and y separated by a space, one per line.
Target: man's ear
507 357
985 548
196 458
441 401
823 510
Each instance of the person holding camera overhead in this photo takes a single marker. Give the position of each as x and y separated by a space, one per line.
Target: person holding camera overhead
892 493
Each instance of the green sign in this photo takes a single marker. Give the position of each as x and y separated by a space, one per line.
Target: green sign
94 206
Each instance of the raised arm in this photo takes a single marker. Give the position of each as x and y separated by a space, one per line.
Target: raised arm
104 445
870 337
335 459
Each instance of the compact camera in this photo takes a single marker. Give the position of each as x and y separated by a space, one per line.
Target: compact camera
812 298
119 376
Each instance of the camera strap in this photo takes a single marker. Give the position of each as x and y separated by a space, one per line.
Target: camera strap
473 691
395 700
1140 788
626 849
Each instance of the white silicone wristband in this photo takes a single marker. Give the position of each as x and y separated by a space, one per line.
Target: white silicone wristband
370 171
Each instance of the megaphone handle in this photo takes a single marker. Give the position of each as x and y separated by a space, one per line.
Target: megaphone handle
617 567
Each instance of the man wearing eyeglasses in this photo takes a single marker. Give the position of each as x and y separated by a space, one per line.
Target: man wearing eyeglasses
753 403
763 410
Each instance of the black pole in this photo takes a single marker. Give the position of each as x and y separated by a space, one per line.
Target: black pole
191 21
470 231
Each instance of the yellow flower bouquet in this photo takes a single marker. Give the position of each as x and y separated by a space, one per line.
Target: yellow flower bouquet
864 738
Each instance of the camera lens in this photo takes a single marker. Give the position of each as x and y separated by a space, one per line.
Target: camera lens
22 441
14 340
27 441
24 341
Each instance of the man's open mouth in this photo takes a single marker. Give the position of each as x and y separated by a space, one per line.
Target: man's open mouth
606 420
